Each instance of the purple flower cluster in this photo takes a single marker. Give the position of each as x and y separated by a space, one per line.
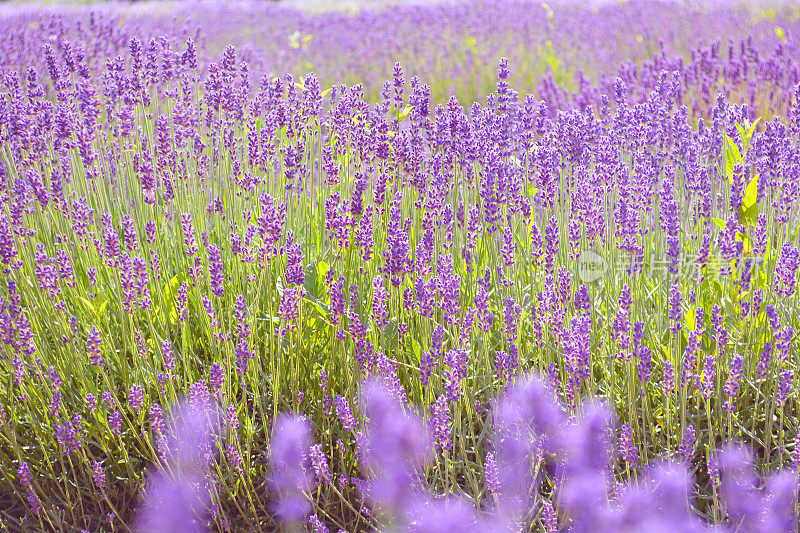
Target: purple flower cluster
180 220
530 430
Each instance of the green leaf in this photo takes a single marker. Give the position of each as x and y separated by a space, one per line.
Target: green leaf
742 134
752 128
323 268
749 216
264 317
748 212
732 156
171 312
390 335
323 309
416 351
311 283
88 305
690 319
751 193
279 286
717 286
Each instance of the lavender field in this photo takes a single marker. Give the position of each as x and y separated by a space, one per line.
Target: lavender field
492 265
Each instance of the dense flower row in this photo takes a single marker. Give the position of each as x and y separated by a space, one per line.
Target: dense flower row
568 53
172 226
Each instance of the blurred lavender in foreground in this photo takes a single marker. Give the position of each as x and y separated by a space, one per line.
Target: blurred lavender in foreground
289 478
531 436
178 494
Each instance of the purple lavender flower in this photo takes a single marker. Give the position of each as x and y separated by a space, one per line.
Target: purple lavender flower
786 270
549 518
169 356
784 386
99 475
288 477
93 342
91 402
395 445
670 222
136 398
396 254
379 297
764 359
509 247
511 314
68 434
491 473
732 385
524 415
344 413
551 241
176 499
440 420
24 475
738 487
234 457
645 364
774 319
783 343
188 235
215 273
8 251
316 524
448 286
337 300
669 376
430 358
115 422
687 445
709 375
627 449
240 312
621 324
320 464
290 302
55 403
216 378
294 261
156 419
796 452
713 470
581 301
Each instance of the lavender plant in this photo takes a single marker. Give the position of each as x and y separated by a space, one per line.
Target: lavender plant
176 223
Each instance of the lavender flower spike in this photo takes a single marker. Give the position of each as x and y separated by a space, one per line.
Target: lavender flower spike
288 477
176 498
